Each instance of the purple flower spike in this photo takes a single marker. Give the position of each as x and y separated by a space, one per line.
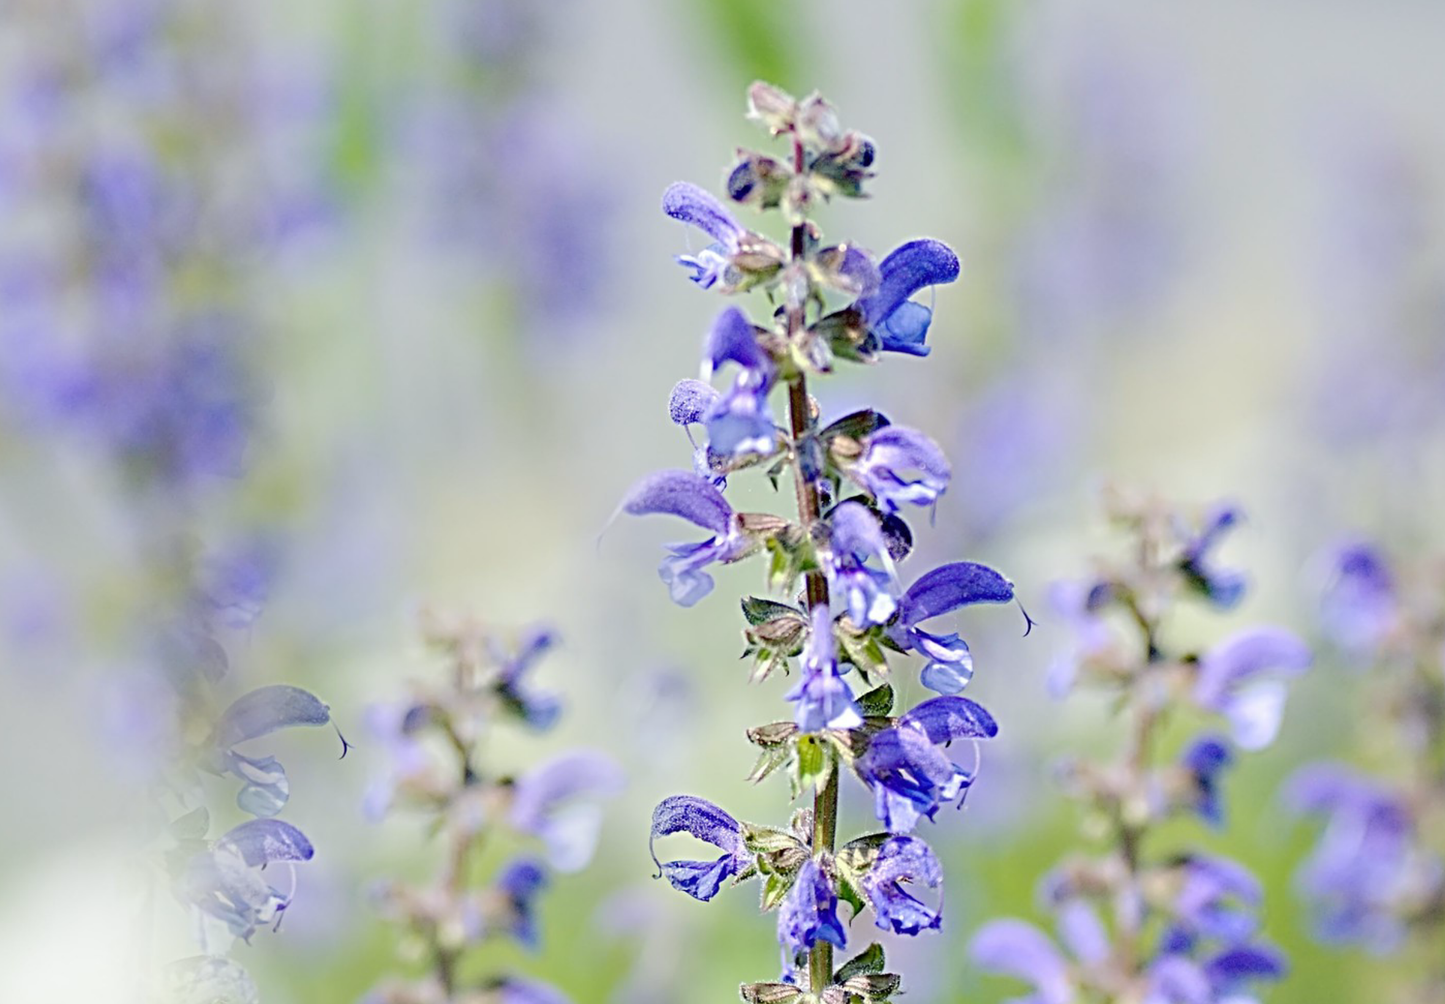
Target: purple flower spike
1015 948
809 914
693 498
690 204
908 773
901 465
557 802
824 700
899 324
1206 759
857 537
903 860
704 820
1225 588
1231 681
945 589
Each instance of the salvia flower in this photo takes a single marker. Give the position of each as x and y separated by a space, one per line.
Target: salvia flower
519 884
903 861
901 466
1205 760
1243 678
540 711
896 323
869 593
1223 587
738 421
225 881
704 820
823 698
695 499
737 259
1359 606
259 713
558 801
809 913
943 590
908 772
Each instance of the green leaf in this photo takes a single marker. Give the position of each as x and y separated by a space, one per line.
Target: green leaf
878 701
769 760
863 651
775 888
866 962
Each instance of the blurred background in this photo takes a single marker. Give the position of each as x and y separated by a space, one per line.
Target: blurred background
314 316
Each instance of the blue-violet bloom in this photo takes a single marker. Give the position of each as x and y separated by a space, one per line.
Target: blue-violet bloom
1241 678
556 801
695 499
945 589
824 699
903 861
897 323
901 465
868 593
704 820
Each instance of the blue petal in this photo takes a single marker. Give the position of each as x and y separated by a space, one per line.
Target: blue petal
267 709
1244 656
951 586
690 400
944 719
687 202
856 531
903 860
946 677
262 841
905 329
1016 948
909 268
733 338
684 494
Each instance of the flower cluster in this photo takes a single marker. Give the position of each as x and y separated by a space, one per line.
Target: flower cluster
432 740
1377 876
835 562
1138 922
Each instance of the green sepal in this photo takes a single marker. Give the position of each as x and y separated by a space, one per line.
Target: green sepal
775 887
769 760
192 826
848 893
768 839
855 425
861 649
760 610
772 734
792 555
873 987
865 963
857 856
812 763
877 702
769 993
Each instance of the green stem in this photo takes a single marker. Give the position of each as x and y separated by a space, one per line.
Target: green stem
800 417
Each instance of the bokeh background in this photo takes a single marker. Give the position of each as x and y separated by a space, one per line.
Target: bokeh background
347 310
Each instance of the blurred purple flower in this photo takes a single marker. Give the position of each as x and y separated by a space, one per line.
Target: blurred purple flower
556 801
1242 678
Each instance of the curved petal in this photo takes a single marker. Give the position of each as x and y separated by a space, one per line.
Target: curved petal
266 709
1244 655
262 841
903 861
733 338
1016 948
944 719
907 269
680 493
951 586
687 202
690 401
857 531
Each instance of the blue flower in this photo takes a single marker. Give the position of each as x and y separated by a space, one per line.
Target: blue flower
737 257
540 711
224 881
1179 979
808 914
901 465
1019 949
946 588
1369 860
259 713
1205 760
1216 901
824 700
409 768
1223 587
895 323
900 861
520 883
556 801
511 990
1232 681
693 498
704 820
868 593
1359 607
908 773
738 421
1078 603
